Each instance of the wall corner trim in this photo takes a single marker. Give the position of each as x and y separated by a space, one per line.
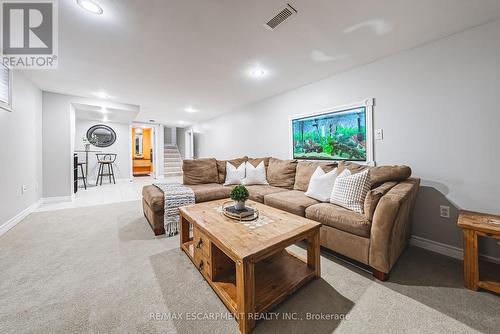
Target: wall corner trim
4 228
447 250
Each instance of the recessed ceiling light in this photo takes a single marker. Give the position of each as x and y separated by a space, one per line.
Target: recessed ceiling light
90 6
102 95
181 122
104 110
257 73
104 119
190 110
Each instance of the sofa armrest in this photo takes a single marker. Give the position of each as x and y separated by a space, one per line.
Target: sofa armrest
374 196
391 225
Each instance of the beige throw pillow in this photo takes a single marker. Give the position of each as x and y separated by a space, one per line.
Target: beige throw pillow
255 175
321 184
349 190
234 175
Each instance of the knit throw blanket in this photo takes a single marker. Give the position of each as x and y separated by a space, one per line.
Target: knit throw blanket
176 195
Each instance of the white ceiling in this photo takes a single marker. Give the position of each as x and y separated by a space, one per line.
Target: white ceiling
165 55
97 112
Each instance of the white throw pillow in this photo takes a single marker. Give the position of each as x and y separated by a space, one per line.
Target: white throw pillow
350 190
234 175
321 184
255 175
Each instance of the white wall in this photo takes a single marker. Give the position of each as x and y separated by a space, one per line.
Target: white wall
57 145
439 110
170 135
121 147
20 149
59 139
181 141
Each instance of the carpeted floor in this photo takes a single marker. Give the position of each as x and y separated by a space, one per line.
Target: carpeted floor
101 270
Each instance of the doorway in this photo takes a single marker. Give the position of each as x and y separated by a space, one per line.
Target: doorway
143 151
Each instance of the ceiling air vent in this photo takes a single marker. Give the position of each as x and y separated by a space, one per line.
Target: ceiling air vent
280 17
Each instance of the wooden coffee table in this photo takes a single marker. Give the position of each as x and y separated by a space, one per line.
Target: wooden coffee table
248 265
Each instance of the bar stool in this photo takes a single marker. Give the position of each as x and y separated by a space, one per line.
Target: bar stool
108 160
83 177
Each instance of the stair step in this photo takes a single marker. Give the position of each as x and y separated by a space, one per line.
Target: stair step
173 168
172 174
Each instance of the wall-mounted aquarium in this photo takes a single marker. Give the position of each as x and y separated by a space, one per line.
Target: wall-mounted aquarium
336 134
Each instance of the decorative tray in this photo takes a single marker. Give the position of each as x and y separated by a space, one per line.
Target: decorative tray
245 216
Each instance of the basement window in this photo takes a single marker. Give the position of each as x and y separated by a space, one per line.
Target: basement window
5 88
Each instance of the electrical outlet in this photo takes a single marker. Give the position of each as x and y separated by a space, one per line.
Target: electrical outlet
379 134
444 211
24 189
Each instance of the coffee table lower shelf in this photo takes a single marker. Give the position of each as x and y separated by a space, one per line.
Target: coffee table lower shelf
276 277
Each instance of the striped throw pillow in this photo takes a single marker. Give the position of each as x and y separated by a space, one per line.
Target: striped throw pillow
350 190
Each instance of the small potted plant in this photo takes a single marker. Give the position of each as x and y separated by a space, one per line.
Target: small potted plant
239 194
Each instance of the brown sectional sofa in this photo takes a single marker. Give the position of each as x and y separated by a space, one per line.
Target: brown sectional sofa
375 238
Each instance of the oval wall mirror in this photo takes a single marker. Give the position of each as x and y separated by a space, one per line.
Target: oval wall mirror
101 135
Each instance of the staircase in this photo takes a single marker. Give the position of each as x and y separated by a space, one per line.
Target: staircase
172 161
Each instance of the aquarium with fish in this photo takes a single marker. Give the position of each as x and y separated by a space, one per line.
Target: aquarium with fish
331 136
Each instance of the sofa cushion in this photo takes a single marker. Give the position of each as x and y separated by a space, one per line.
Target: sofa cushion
343 219
221 167
257 192
153 197
374 196
256 161
294 201
209 192
200 171
353 167
305 169
379 174
281 173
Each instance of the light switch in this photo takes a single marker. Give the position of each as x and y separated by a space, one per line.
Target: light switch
379 134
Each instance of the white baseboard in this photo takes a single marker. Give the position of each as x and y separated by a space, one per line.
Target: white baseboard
4 228
448 250
105 180
59 199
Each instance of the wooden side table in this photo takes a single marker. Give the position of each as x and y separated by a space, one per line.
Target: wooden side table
476 224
